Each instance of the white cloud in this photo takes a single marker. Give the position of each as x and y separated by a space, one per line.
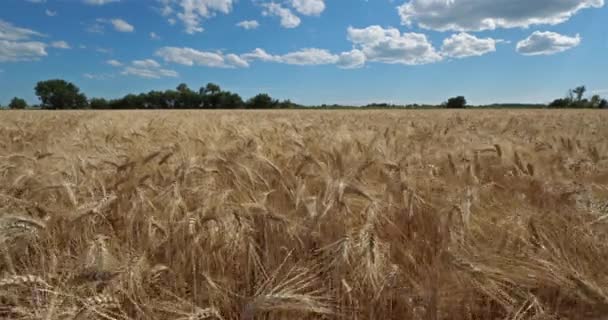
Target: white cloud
248 24
547 43
50 13
104 50
391 46
121 25
148 63
463 45
309 57
101 76
154 36
11 51
149 69
114 63
60 45
236 61
260 54
477 15
192 12
149 73
191 57
99 2
14 48
352 59
309 7
10 32
96 27
288 19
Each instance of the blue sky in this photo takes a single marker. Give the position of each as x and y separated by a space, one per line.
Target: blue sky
311 51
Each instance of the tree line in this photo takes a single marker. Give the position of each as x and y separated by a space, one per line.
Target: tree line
576 99
60 94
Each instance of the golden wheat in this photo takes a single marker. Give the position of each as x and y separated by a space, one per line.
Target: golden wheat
304 215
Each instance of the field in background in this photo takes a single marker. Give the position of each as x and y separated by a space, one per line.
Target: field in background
304 215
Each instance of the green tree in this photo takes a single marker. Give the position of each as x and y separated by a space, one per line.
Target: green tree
154 100
595 101
131 101
182 87
60 94
579 92
603 104
561 103
17 103
456 103
99 103
262 101
209 89
229 100
287 104
170 99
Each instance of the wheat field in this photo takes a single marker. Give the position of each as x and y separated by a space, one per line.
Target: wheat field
304 215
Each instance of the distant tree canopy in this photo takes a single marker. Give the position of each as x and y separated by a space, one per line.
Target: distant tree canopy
262 101
17 103
60 94
575 99
99 103
456 103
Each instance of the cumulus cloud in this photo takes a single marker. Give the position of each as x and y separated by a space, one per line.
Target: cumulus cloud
374 43
13 46
99 2
148 63
149 73
149 69
477 15
154 36
261 55
309 7
464 45
11 51
114 63
121 25
236 61
352 59
192 12
96 27
547 43
10 32
391 46
310 57
304 57
191 57
104 50
50 13
288 19
60 45
100 76
248 24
